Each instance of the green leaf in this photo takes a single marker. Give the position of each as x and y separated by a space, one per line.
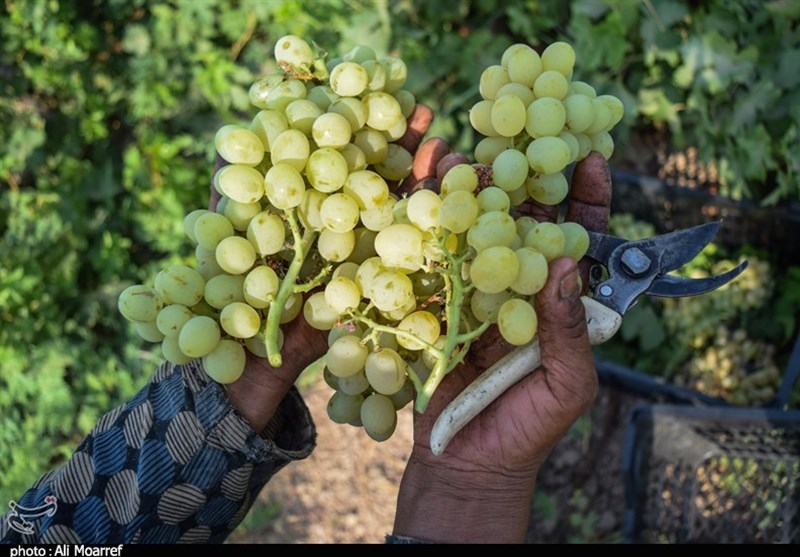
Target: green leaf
136 40
784 8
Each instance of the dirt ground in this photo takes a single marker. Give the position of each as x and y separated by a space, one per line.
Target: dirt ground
346 491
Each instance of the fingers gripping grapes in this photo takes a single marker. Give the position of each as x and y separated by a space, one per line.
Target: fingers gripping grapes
321 212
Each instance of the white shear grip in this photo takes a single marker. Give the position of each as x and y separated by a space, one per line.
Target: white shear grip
602 323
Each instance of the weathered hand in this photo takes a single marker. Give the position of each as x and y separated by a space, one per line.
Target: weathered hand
480 488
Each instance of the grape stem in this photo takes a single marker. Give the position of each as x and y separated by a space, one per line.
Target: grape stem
302 242
313 283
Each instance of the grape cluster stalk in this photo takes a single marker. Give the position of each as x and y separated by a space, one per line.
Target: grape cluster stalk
308 222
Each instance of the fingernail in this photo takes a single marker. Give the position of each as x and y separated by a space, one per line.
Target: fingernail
570 287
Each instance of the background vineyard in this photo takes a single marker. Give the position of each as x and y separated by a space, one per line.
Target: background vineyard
108 110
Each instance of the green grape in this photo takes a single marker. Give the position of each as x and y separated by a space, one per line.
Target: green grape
584 145
524 225
401 312
423 209
480 116
391 291
172 352
576 240
343 409
551 84
139 303
198 336
189 220
493 199
460 177
322 96
494 228
560 57
508 115
459 210
172 318
203 308
422 324
532 272
347 270
380 217
318 313
346 356
284 93
284 186
579 113
397 164
372 143
518 90
364 245
260 286
240 320
339 212
484 271
518 196
336 246
292 308
428 358
385 371
602 143
367 188
341 330
148 331
238 145
291 147
405 395
349 79
223 290
397 131
360 54
548 155
291 49
602 116
509 170
407 102
572 142
210 228
367 271
352 109
353 384
260 89
301 115
396 74
399 211
548 189
615 108
523 63
491 80
225 363
240 214
235 255
545 117
267 233
400 247
376 74
342 293
548 239
180 285
355 158
485 306
383 110
240 183
331 130
268 125
517 321
582 88
488 148
378 416
309 210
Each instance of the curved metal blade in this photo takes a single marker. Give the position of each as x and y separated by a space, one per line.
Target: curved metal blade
678 248
671 286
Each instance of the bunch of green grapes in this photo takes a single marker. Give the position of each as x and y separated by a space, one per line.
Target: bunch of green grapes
736 368
404 285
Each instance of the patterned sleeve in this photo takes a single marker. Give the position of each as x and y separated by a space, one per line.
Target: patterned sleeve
176 463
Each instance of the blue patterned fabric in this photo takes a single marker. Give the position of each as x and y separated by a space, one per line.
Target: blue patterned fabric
174 464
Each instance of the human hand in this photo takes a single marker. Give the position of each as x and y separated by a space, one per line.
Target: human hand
261 388
480 489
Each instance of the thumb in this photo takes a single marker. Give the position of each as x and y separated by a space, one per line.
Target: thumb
567 360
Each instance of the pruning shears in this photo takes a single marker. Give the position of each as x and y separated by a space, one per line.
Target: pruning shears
634 268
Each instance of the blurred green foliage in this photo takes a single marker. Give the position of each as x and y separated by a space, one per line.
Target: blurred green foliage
108 110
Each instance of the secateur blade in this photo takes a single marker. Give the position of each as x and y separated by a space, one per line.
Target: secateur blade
634 266
671 286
